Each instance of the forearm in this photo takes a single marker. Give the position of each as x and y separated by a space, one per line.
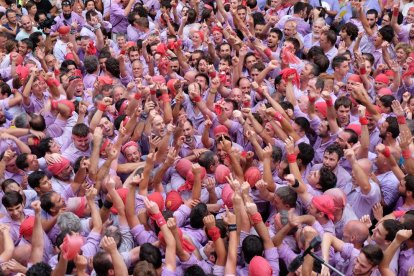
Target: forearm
267 175
96 218
61 267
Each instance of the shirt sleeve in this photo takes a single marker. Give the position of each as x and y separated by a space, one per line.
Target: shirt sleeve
90 248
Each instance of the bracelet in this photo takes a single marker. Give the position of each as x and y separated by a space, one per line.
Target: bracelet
312 99
246 104
232 227
387 152
296 184
137 96
395 12
406 154
329 102
165 98
214 233
144 115
107 204
153 92
291 158
363 71
363 121
159 219
197 99
101 107
256 218
401 120
212 74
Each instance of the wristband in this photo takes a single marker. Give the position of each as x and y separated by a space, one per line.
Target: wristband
197 99
214 233
159 219
401 120
52 82
246 104
268 52
296 184
232 227
101 107
153 92
212 74
278 116
54 105
259 90
291 158
363 71
137 96
256 218
165 98
107 204
363 121
406 154
387 152
329 102
395 12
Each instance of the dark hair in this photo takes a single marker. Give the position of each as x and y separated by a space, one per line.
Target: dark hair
34 37
206 159
409 182
44 145
28 43
80 130
299 7
278 32
337 61
151 254
276 154
387 33
197 214
351 29
112 66
5 89
102 264
191 16
11 199
327 179
314 51
294 41
8 182
331 36
252 246
387 100
322 61
393 127
37 122
21 161
287 195
91 64
34 178
353 139
194 270
306 153
392 226
343 101
373 11
373 253
335 148
46 201
39 269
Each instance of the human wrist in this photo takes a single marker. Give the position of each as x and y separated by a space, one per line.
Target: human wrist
291 158
256 218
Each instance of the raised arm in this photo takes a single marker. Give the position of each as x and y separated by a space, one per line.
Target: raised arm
384 266
36 254
361 177
109 245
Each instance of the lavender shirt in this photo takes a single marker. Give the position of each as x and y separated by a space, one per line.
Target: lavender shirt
389 187
406 260
344 179
362 204
15 225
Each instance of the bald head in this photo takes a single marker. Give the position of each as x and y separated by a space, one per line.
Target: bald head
338 197
356 231
26 23
366 165
190 76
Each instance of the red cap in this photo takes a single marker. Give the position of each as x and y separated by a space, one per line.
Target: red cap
216 29
411 9
221 130
377 108
157 198
70 104
159 79
69 56
105 80
252 175
382 78
22 72
189 180
130 44
324 204
64 30
227 195
26 228
58 167
161 49
355 127
389 73
259 266
221 173
170 86
322 108
183 166
173 201
127 145
122 192
355 78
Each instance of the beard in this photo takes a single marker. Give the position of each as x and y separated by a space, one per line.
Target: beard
67 16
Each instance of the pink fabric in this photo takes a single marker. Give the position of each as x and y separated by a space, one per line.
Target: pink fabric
288 57
355 127
173 201
127 145
189 180
322 108
58 167
157 198
252 175
221 173
71 246
183 166
355 78
384 91
221 130
26 227
227 195
259 266
324 204
382 78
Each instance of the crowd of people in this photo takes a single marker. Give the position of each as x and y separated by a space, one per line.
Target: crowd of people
214 137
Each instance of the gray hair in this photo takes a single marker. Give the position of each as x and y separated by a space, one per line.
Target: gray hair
69 222
21 120
91 64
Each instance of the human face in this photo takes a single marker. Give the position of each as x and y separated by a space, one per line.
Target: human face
228 109
372 20
31 159
196 38
90 6
383 129
27 24
133 55
272 40
410 17
37 88
236 95
400 54
175 66
12 18
317 28
402 188
158 126
242 14
311 87
343 114
289 29
50 61
362 266
343 68
342 139
221 153
202 82
81 143
378 40
67 11
245 86
45 185
306 72
313 178
225 50
324 43
132 154
121 41
107 127
322 130
66 174
188 131
386 20
330 160
22 48
269 129
202 66
15 212
33 10
217 37
58 202
137 69
258 29
379 234
250 61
